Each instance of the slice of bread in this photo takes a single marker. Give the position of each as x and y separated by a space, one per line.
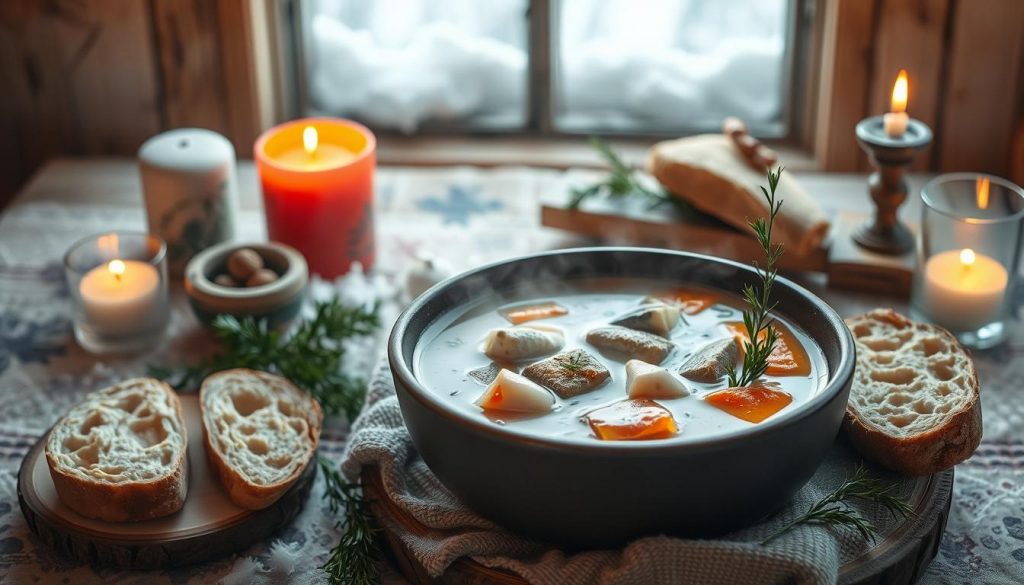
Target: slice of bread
709 172
260 432
121 454
914 405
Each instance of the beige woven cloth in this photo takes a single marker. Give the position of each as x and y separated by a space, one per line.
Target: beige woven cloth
806 555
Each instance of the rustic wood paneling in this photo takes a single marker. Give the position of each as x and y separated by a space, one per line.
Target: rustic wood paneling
188 48
78 78
982 94
910 36
247 65
845 79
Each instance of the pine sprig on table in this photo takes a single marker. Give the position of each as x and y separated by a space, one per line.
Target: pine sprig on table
833 510
762 336
621 183
354 560
311 357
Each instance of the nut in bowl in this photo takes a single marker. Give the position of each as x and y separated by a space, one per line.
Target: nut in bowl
263 280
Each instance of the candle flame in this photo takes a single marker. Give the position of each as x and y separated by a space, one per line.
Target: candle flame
900 92
116 267
967 257
310 140
981 185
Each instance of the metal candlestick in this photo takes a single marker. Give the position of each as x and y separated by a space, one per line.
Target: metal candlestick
890 157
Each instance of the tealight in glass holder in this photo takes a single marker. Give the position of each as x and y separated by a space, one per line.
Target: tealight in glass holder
968 253
118 288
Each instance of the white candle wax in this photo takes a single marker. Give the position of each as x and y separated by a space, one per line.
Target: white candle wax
190 190
895 123
121 297
963 291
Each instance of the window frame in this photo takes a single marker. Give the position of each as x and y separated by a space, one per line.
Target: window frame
541 106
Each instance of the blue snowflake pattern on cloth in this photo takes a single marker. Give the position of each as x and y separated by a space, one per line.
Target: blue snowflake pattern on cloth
459 205
31 341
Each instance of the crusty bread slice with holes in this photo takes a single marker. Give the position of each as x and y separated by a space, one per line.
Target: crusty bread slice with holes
260 432
914 405
120 455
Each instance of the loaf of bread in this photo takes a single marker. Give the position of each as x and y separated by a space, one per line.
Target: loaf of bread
914 404
121 454
710 173
260 432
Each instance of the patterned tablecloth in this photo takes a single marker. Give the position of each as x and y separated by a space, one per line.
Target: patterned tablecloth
465 216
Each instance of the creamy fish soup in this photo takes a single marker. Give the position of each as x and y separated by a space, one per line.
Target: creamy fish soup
613 359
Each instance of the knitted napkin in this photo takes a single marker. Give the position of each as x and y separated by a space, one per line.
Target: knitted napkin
804 555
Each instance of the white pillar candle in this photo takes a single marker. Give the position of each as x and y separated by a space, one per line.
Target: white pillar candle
190 189
963 290
121 297
895 122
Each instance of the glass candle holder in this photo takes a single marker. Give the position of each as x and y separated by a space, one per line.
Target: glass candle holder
118 288
968 253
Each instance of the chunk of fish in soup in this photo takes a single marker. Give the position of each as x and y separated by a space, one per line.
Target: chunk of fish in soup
630 343
454 360
569 373
657 318
523 342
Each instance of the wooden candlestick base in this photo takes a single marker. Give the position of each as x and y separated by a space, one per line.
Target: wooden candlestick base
852 266
884 234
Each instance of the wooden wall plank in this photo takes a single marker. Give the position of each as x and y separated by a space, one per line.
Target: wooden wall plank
247 65
845 78
78 78
981 97
910 36
189 53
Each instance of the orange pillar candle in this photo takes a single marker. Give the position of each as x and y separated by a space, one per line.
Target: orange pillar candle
317 179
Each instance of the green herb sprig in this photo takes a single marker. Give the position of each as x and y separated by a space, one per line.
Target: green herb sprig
762 336
833 510
573 363
354 560
311 357
621 183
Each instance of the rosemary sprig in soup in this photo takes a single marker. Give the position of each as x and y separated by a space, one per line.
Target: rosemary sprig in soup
762 336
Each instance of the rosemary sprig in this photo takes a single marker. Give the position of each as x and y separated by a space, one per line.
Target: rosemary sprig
620 183
833 510
311 357
354 560
762 336
573 363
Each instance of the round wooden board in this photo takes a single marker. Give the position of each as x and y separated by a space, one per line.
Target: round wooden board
207 527
898 559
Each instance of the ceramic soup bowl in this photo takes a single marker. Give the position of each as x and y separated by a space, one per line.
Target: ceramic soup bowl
587 492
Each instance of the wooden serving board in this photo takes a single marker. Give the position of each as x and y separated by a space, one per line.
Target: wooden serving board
207 527
632 220
898 559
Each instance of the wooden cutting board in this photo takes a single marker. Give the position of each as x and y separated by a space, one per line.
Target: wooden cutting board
209 525
634 221
898 559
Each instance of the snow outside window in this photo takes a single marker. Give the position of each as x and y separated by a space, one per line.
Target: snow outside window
617 65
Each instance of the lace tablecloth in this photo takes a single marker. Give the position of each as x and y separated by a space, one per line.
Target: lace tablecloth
466 216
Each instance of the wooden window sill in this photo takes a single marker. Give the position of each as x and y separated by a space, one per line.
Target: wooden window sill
557 153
